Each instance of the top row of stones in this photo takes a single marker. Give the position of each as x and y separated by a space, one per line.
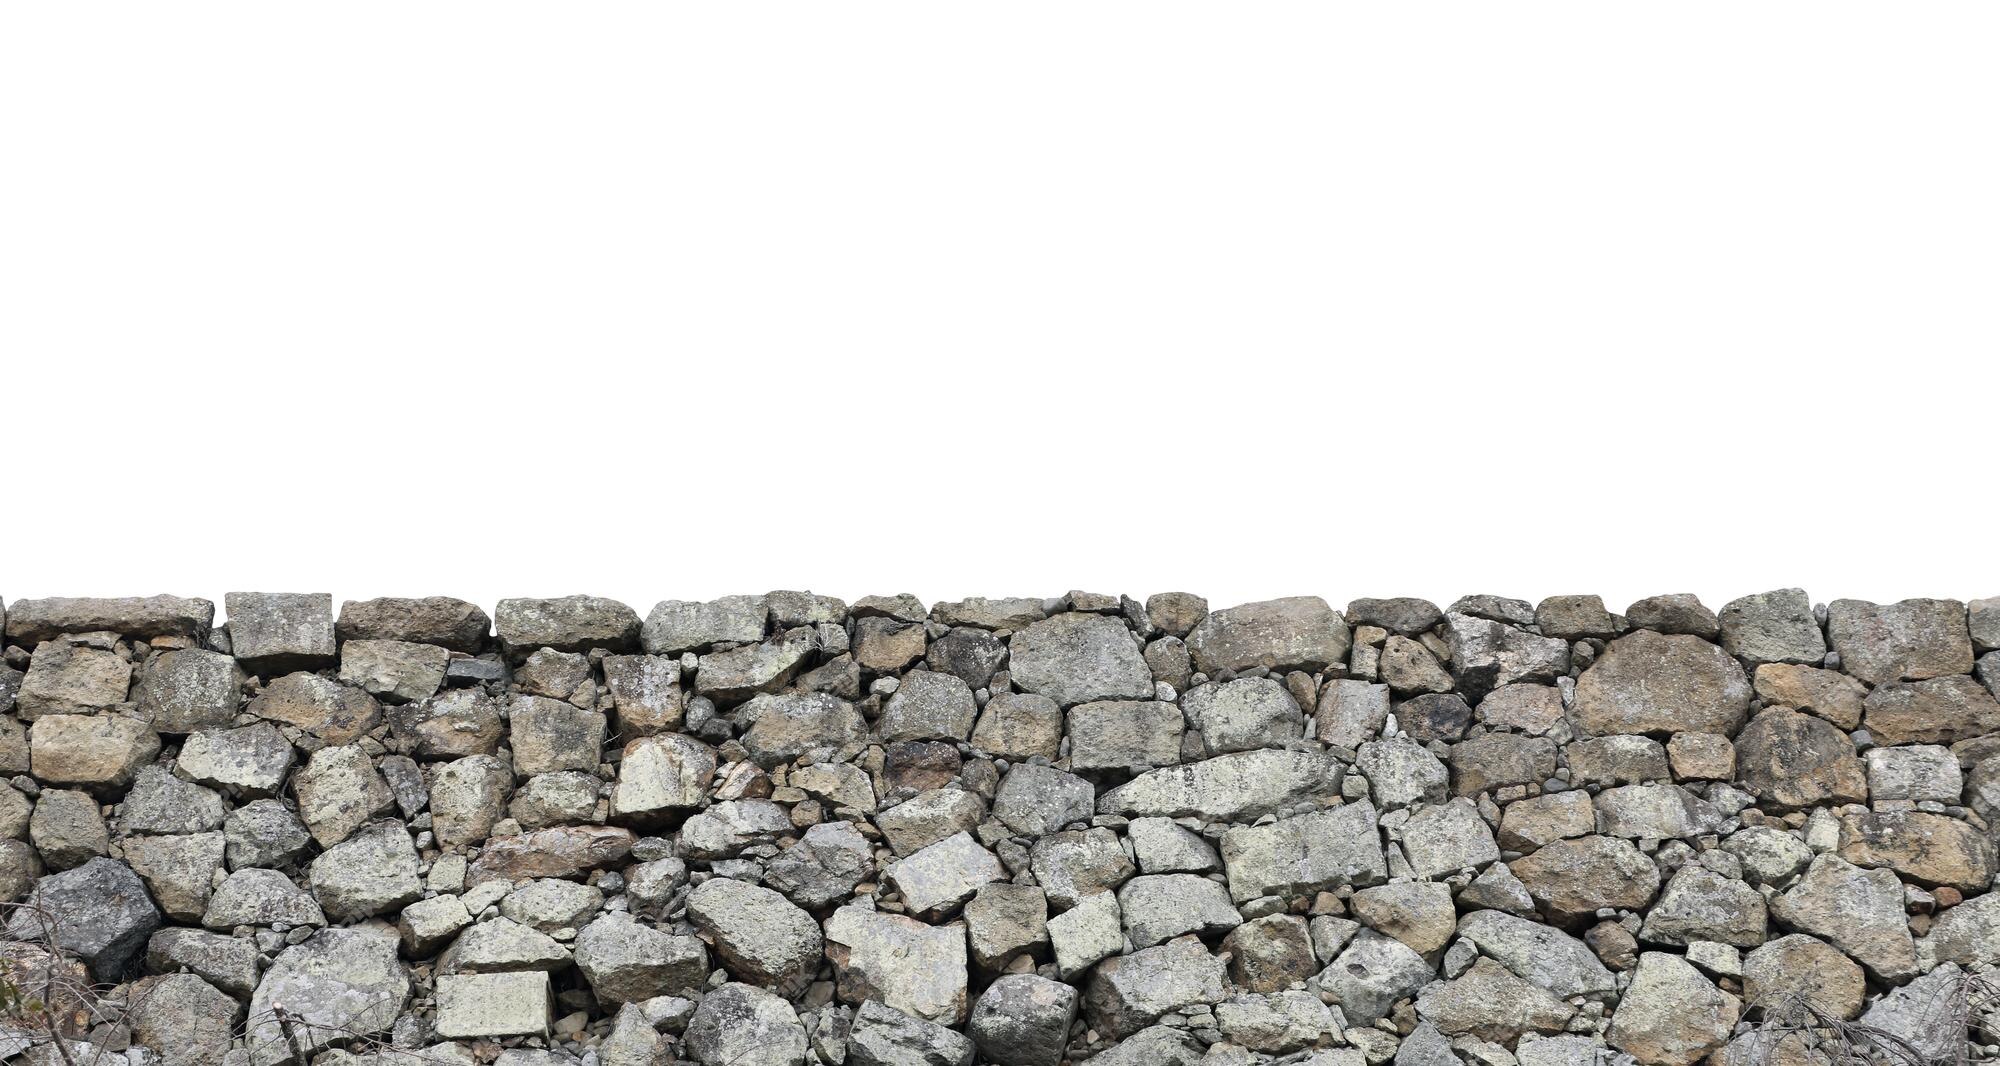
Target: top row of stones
277 632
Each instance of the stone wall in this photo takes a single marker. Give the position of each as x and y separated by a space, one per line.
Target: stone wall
789 829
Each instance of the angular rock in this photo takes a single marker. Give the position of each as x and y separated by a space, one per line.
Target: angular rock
1942 710
646 694
441 620
1086 934
676 626
785 727
223 961
65 678
96 752
941 876
663 773
627 962
1242 715
1655 812
160 803
928 706
1372 974
261 897
67 828
467 796
1858 911
1070 866
339 792
742 673
430 924
1019 726
550 735
1930 849
1826 693
1702 905
971 655
1268 954
1538 954
763 939
1159 907
1402 773
333 712
341 984
1571 879
885 1036
1772 627
1799 966
393 671
373 871
1307 853
1490 1003
1678 613
1532 709
1918 772
264 833
98 912
249 762
492 1004
1131 736
1449 837
1671 1015
278 632
178 870
1297 633
1163 846
725 829
1646 682
502 945
566 623
738 1025
1128 993
1497 760
1486 655
29 622
1350 712
1079 658
1238 787
1793 761
1418 913
916 968
189 689
1023 1020
1004 921
1541 820
187 1019
562 852
1905 641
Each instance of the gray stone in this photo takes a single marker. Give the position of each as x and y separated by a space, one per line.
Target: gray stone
1906 641
646 694
264 833
66 678
785 727
502 945
660 774
1646 682
278 632
824 866
928 706
1700 904
743 673
332 712
1072 865
223 961
189 689
1079 658
1372 974
1538 954
725 829
492 1004
339 985
98 912
441 620
1307 853
1799 966
916 968
67 828
676 626
373 871
393 671
1242 715
1130 992
1037 800
249 762
1086 933
450 725
566 623
1159 907
178 870
1276 1023
339 792
1622 759
1163 846
971 655
1005 921
1858 911
885 1036
939 877
1655 811
466 797
1401 773
188 1020
430 924
1498 760
1940 710
1409 668
1792 761
1917 772
1418 913
161 803
763 939
1124 735
625 961
1023 1020
29 622
1571 880
1449 837
1486 654
1351 712
1242 786
738 1025
1489 1003
1676 613
550 735
1772 627
1019 726
1298 633
1158 1045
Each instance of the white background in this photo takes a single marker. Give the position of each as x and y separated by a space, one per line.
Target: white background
674 300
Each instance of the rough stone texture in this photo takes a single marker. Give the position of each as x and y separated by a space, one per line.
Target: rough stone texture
783 828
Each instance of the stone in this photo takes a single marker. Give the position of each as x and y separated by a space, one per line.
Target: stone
1826 693
179 871
249 762
160 803
1418 913
1175 613
1538 954
1019 726
189 689
551 905
262 897
1128 993
223 961
625 961
1307 853
1269 954
566 623
1023 1020
1158 1045
1241 786
1571 879
1655 812
30 622
886 645
939 877
725 829
99 912
1930 849
1130 736
279 632
1802 967
785 727
1408 668
1402 773
1768 856
661 774
1005 921
1792 761
1240 715
743 673
1858 911
1924 1015
1646 682
1486 655
1037 800
1497 760
971 655
915 968
339 792
1275 1023
1297 633
1531 709
1434 717
1159 907
646 694
467 796
884 1036
1671 1015
556 799
1351 712
1942 710
1447 838
1702 905
566 851
929 817
1772 627
738 1025
928 706
1079 658
187 1019
1917 772
1371 974
762 937
1070 866
334 713
264 833
100 753
1678 613
67 828
449 623
1702 757
393 671
1086 934
492 1004
65 678
676 626
1491 1003
1906 641
1163 846
502 945
1968 934
1011 613
340 984
1621 759
1542 820
373 871
1403 614
551 735
430 924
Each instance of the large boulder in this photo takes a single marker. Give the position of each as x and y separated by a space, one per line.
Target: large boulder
98 912
762 937
337 986
1647 682
626 961
1130 992
1297 633
741 1025
1906 641
1793 761
1304 854
915 968
1671 1015
1023 1020
1077 658
1858 911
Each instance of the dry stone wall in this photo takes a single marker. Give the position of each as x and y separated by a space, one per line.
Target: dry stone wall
786 829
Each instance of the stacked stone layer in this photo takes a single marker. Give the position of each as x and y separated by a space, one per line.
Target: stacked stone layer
789 829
